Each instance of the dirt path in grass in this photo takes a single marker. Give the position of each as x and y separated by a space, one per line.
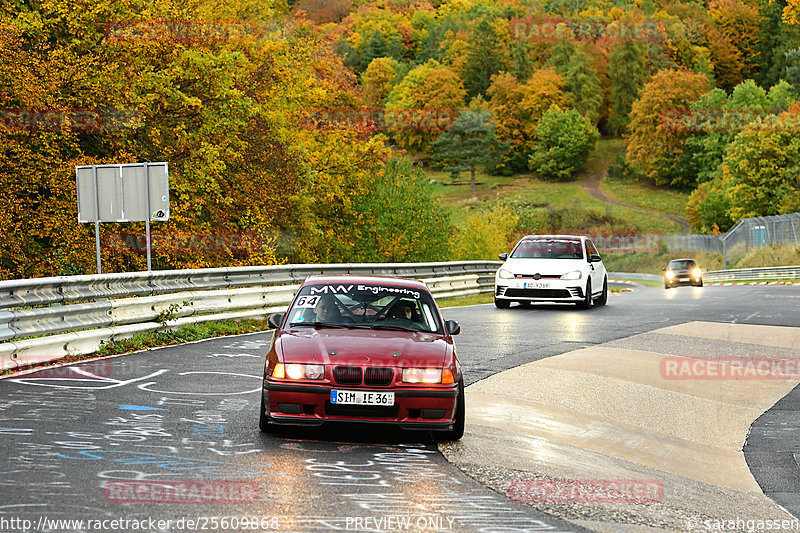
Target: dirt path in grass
591 186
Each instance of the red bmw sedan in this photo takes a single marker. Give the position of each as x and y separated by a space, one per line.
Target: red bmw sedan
364 349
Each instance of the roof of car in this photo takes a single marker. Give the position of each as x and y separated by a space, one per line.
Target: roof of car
383 280
682 259
553 236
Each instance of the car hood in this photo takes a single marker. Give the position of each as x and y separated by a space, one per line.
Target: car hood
362 347
545 267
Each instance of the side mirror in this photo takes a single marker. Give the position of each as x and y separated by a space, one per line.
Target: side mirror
275 320
664 269
452 327
594 258
503 257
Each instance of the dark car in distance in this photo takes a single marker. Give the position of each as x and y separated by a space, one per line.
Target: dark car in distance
364 349
682 272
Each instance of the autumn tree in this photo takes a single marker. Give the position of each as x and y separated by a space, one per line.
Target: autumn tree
517 109
654 148
382 74
420 105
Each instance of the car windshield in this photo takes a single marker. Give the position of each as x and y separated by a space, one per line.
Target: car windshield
681 264
549 249
365 306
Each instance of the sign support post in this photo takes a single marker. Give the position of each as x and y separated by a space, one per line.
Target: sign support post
96 222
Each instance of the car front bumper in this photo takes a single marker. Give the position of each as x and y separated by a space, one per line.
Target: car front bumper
683 280
307 404
545 290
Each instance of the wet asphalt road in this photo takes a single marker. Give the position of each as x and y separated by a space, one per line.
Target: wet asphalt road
188 414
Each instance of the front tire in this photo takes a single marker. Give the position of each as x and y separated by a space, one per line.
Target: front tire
501 304
587 300
458 420
263 420
604 296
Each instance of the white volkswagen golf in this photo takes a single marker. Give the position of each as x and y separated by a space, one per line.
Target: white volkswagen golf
552 268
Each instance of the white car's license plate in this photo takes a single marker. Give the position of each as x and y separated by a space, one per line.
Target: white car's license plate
359 397
536 285
683 279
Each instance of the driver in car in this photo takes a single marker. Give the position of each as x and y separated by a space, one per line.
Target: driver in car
403 310
326 310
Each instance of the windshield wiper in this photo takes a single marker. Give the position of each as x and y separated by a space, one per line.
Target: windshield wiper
394 327
319 324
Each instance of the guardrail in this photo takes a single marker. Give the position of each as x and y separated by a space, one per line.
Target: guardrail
787 272
784 272
77 314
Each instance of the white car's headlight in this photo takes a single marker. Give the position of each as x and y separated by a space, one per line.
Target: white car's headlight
670 274
575 274
504 274
697 272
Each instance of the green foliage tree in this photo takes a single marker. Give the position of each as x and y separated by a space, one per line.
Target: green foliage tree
627 69
483 59
469 143
583 85
402 219
760 170
564 140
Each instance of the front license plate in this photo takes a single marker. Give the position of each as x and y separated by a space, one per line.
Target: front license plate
535 285
359 397
683 279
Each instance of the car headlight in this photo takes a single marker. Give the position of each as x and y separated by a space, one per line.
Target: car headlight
298 371
670 274
427 375
697 272
504 274
575 274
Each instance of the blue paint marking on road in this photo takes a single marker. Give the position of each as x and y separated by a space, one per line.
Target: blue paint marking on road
140 408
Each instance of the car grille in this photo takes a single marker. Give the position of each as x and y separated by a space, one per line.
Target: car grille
366 411
537 293
347 375
378 376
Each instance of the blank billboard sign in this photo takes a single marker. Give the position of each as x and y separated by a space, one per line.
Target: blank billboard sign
123 193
